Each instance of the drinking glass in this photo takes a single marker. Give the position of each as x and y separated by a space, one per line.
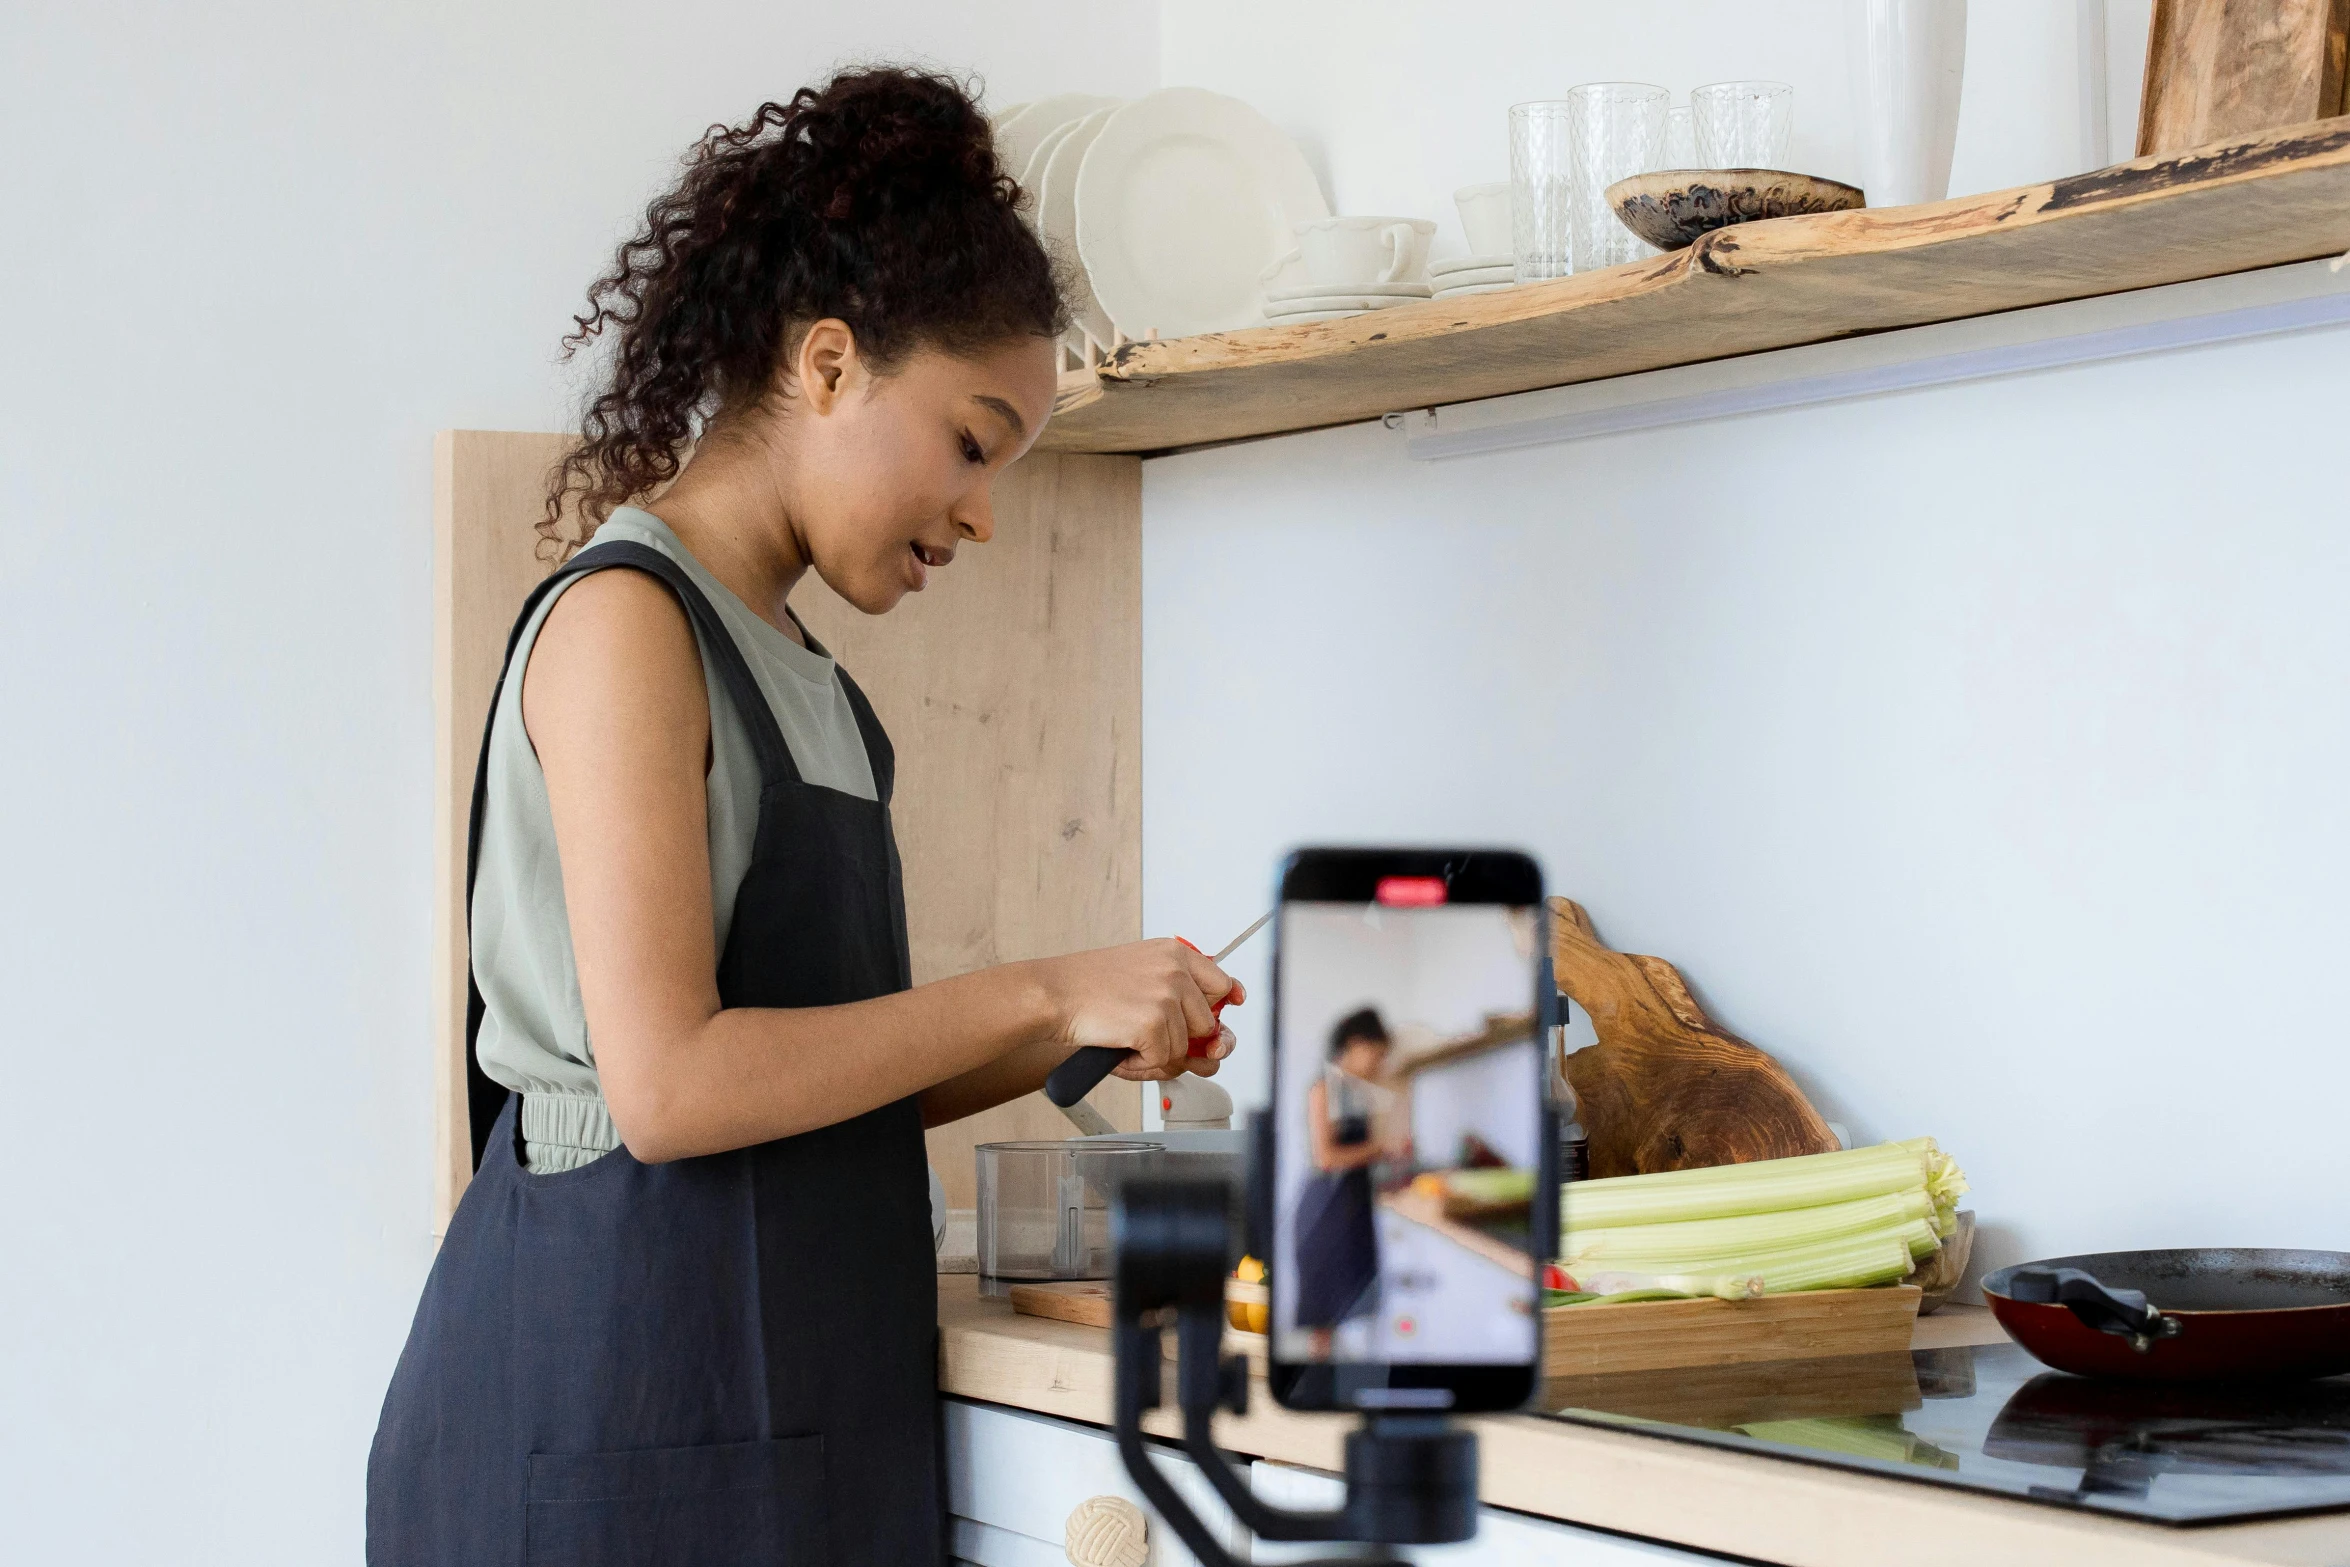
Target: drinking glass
1680 139
1541 189
1615 129
1743 125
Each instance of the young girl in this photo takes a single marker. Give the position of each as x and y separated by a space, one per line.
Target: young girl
686 1312
1337 1230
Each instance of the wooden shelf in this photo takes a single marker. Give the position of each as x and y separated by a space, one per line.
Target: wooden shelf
2248 202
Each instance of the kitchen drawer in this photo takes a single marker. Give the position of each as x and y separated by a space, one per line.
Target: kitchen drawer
1014 1477
1504 1539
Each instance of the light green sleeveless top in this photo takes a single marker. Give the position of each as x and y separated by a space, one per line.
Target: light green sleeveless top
534 1035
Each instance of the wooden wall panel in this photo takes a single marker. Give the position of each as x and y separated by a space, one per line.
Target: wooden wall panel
1012 690
488 488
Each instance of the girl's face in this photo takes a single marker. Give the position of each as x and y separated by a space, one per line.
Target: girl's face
1363 1058
890 474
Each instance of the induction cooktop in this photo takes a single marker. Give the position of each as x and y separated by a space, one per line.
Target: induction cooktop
1993 1419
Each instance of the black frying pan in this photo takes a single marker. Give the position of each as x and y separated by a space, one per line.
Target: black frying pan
2181 1316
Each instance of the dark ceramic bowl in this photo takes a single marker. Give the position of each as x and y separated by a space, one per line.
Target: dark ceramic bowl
1671 207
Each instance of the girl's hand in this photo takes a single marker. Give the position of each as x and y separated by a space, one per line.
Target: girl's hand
1150 997
1202 1065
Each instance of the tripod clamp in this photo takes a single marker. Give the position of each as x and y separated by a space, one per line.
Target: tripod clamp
1411 1479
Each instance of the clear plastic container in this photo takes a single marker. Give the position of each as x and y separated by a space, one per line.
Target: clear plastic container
1044 1208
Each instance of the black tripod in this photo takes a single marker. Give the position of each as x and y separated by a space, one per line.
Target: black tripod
1410 1479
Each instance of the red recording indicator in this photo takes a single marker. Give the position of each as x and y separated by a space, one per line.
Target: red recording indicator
1410 892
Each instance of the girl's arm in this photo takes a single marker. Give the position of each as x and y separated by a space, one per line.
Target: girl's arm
615 705
1023 1071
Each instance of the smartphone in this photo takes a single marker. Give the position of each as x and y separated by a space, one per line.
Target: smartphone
1414 1193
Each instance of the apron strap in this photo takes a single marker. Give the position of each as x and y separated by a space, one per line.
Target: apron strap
484 1097
878 751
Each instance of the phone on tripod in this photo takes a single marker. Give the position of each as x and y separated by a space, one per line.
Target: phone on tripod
1414 1190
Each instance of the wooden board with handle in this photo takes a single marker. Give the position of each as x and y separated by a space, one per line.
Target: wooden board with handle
1666 1087
2218 68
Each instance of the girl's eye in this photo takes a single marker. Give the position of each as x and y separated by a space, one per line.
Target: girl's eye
971 451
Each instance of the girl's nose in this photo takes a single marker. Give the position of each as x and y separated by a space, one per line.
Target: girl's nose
974 517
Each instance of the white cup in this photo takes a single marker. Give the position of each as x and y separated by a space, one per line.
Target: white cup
1343 251
1912 59
1485 217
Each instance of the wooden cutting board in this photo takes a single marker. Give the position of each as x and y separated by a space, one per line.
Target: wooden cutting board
1085 1302
1648 1335
2219 68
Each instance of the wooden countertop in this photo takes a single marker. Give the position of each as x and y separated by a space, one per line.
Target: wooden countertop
1771 1509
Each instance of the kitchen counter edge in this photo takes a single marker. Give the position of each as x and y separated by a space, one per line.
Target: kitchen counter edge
1678 1493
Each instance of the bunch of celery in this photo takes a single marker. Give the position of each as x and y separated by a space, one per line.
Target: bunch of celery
1825 1221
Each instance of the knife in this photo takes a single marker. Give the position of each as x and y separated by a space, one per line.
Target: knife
1074 1078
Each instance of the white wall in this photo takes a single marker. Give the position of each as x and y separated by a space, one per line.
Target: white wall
1978 751
1975 750
255 254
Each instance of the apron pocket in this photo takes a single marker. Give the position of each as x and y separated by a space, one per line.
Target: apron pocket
724 1506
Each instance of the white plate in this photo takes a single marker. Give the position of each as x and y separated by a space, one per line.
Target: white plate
1275 296
1473 288
1056 222
1481 275
1468 264
1017 134
1321 303
1033 175
1182 201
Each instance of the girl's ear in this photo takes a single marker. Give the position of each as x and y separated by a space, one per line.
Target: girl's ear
826 364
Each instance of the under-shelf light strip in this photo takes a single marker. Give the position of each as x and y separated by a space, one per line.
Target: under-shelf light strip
2182 315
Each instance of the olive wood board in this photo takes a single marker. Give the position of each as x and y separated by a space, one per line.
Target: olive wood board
2229 205
2229 67
1649 1335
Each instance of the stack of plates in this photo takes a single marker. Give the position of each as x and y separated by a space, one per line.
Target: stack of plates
1300 303
1471 275
1163 212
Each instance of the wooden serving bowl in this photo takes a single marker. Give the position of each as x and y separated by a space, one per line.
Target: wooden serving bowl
1672 207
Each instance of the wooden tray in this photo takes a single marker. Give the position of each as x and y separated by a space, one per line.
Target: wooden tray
1655 1335
1648 1335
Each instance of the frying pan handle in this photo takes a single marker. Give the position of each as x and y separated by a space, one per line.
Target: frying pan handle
2123 1313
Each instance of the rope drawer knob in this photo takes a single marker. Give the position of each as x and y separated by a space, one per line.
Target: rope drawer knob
1107 1531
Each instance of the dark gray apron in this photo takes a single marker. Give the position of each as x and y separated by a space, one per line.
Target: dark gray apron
716 1361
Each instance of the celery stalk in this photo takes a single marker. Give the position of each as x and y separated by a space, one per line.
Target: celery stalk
1849 1263
1726 1191
1744 1233
1499 1187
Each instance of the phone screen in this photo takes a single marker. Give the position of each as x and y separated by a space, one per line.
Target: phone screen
1409 1133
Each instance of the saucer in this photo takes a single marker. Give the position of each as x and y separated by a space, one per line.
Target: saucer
1296 292
1473 288
1318 304
1476 275
1452 264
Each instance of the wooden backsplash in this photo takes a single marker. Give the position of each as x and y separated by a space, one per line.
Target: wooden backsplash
1012 690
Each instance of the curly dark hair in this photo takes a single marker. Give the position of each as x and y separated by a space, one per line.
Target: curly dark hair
1364 1024
876 199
